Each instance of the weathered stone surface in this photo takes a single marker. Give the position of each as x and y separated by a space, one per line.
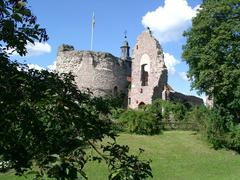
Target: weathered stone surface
193 100
147 51
65 47
171 95
104 74
98 72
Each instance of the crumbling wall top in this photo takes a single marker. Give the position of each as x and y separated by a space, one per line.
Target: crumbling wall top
65 47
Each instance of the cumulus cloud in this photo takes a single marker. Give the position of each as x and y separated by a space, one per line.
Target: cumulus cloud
38 48
52 67
35 49
183 75
170 62
169 21
35 66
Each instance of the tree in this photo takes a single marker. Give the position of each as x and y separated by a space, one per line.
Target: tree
18 26
212 52
47 124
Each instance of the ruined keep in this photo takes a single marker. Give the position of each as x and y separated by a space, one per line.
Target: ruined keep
142 77
98 72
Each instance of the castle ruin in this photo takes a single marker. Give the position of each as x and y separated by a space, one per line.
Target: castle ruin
142 77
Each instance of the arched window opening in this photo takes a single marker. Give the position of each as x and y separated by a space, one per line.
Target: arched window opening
141 104
115 91
144 75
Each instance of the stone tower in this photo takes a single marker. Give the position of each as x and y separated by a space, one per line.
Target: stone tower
149 73
125 56
125 50
100 72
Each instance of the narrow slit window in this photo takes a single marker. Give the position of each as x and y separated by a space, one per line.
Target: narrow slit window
144 75
129 101
115 91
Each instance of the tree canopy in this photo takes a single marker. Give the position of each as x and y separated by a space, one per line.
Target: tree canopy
46 123
212 52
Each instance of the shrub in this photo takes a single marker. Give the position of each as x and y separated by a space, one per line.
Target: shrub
198 115
233 138
5 166
171 111
208 123
217 128
172 114
151 119
140 122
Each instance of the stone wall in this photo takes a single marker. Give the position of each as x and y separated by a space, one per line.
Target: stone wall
104 74
179 97
148 52
100 72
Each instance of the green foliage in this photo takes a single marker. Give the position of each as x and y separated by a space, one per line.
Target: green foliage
200 116
116 101
213 55
175 109
115 114
111 103
140 122
151 119
124 166
18 26
47 115
46 123
233 138
222 133
169 111
208 123
176 155
218 130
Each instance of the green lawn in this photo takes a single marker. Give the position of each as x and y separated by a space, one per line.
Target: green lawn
175 155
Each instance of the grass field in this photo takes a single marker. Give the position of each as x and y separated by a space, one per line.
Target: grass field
175 155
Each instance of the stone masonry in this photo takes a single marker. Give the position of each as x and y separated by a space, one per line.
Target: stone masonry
147 52
100 72
143 78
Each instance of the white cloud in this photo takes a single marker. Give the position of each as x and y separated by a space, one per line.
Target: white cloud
169 21
52 67
183 75
35 49
38 48
35 66
170 62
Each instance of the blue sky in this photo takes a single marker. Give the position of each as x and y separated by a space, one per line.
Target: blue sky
69 22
